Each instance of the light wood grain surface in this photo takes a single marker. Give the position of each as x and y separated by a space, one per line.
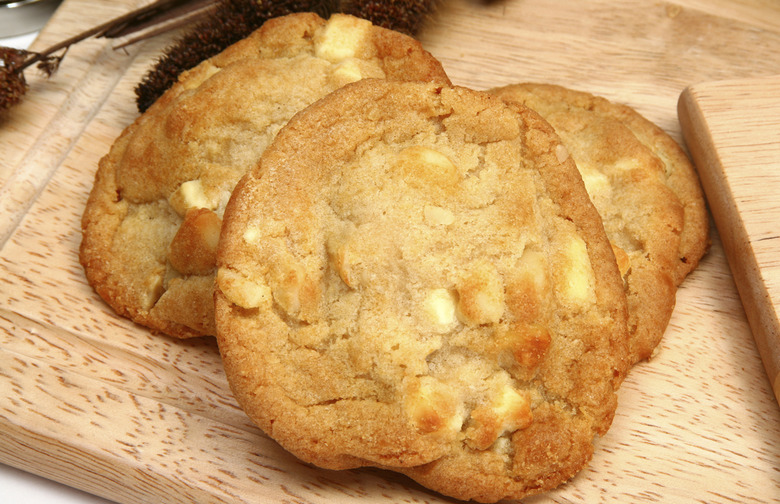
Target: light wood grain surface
739 159
98 403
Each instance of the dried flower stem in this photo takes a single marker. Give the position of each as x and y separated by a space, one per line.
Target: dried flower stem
13 62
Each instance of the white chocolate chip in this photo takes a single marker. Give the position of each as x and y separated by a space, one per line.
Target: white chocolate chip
434 407
341 38
287 293
512 409
505 410
480 296
502 445
579 279
251 234
534 263
435 215
440 306
154 288
346 72
188 195
294 290
423 167
242 291
432 157
595 182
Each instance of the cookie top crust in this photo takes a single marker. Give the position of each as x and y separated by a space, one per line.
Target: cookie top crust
415 278
628 180
678 174
152 221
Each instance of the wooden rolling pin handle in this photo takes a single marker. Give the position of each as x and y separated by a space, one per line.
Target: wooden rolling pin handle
737 243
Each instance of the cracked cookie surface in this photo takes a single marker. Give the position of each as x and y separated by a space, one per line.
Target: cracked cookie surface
152 221
414 278
645 190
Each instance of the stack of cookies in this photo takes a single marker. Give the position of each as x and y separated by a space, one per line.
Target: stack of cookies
153 219
400 273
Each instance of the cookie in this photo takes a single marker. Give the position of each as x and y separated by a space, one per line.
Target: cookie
645 190
414 278
682 179
152 221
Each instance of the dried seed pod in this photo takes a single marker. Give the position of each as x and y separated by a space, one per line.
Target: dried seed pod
405 16
231 21
13 85
236 19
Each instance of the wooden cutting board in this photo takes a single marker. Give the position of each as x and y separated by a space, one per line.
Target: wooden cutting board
733 130
96 402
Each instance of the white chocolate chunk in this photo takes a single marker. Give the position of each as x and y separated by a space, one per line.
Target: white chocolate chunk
188 195
480 296
346 72
251 234
242 291
596 182
341 38
435 215
287 289
153 290
534 263
423 167
512 410
505 411
485 306
434 407
440 306
432 157
579 280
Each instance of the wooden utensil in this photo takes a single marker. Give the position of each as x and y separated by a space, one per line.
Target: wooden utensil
732 129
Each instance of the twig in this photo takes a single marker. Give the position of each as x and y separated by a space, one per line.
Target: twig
13 62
